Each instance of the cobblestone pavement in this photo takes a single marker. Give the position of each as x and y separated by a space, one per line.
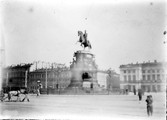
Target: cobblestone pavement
85 107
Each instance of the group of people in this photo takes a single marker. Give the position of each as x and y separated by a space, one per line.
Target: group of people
149 102
17 94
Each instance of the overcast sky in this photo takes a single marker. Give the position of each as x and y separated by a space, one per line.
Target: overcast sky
120 32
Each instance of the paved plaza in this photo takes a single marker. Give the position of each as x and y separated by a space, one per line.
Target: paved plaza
85 107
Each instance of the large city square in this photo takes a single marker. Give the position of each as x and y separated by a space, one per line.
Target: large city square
83 60
123 107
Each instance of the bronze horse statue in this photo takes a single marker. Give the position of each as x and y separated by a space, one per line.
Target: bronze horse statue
83 40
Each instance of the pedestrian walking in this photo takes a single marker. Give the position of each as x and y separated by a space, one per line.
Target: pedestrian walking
18 96
134 90
140 95
38 92
47 90
26 96
127 91
149 102
9 96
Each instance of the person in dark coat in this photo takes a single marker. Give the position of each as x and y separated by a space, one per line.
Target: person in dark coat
140 95
47 90
26 95
149 102
126 91
134 90
18 96
9 96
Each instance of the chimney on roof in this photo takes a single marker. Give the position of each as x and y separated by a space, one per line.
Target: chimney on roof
136 62
155 61
149 61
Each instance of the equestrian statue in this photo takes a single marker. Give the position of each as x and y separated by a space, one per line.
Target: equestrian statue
83 40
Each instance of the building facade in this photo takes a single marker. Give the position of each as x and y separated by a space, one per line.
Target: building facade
108 80
15 77
51 78
149 76
113 81
102 78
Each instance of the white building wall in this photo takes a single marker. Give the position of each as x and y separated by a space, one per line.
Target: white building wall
149 85
102 79
121 79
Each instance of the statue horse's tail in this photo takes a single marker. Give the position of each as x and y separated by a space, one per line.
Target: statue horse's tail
89 45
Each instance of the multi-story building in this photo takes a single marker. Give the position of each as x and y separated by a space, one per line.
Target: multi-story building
15 77
108 79
50 78
113 81
149 76
102 78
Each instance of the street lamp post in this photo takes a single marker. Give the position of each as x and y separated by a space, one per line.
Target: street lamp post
56 73
46 79
26 73
58 81
59 87
7 79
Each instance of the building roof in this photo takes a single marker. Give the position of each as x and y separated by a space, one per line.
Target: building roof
51 69
19 66
145 64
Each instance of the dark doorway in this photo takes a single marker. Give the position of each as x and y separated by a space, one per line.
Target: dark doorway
85 76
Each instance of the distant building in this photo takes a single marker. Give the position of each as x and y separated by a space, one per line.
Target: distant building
51 78
113 80
15 77
102 78
149 76
108 79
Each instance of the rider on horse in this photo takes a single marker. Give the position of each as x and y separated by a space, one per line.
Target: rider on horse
83 40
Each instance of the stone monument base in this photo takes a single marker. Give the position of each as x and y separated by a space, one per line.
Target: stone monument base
83 68
82 91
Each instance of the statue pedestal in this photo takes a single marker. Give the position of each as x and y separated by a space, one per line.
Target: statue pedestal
83 69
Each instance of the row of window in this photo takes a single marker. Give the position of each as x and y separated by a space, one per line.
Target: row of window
17 70
153 71
153 77
16 74
54 86
145 71
51 80
146 88
129 78
144 77
16 80
49 76
129 71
